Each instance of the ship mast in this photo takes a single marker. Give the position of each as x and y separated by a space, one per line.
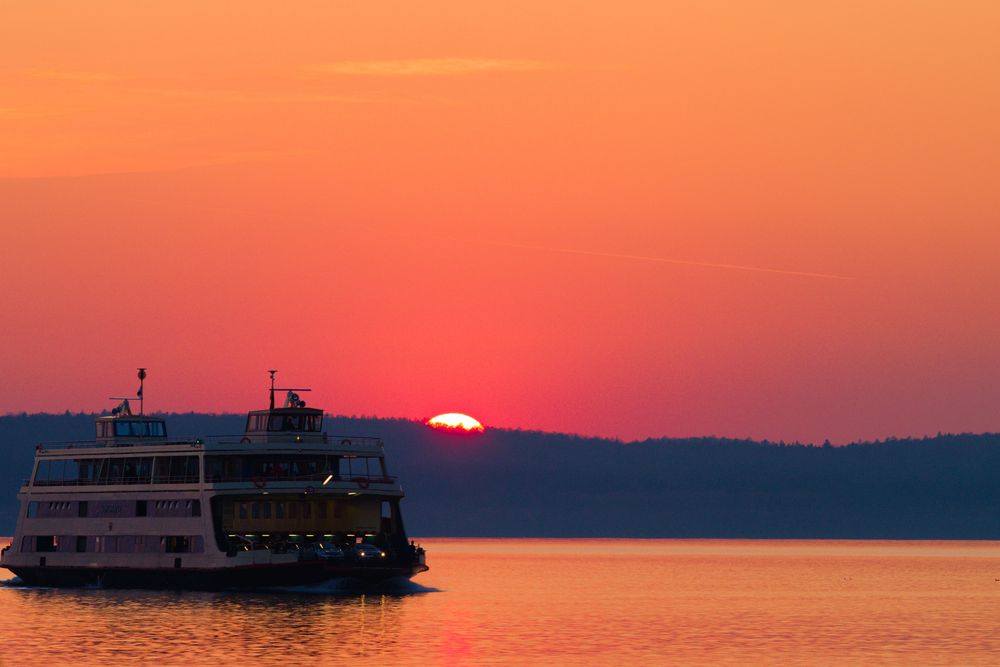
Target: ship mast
272 388
293 399
142 379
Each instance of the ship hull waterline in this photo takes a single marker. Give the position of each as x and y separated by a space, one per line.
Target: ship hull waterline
245 577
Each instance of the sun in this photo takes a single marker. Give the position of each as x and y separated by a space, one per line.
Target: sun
456 421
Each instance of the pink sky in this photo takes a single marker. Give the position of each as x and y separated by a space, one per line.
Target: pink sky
774 220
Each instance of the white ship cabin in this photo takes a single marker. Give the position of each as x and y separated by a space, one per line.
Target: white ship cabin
123 429
281 424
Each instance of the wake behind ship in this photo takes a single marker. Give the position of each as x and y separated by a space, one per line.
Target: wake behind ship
284 504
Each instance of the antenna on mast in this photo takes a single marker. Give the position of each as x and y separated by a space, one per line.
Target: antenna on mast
142 378
272 387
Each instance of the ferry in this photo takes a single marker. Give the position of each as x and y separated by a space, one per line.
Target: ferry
283 504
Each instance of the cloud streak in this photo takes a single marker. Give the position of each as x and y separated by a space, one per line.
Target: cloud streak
430 66
683 262
74 75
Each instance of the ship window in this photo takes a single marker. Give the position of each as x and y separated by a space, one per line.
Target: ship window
254 510
253 423
195 508
140 429
243 510
140 508
175 469
42 472
178 468
279 510
115 470
161 470
359 466
386 510
88 470
298 422
285 423
71 471
47 543
81 508
321 509
81 543
214 468
267 510
32 510
293 510
175 544
143 469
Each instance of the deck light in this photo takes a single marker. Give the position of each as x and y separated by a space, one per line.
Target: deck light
327 480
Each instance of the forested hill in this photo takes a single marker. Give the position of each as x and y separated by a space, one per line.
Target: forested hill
517 483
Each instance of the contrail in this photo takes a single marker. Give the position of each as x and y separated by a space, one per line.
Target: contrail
667 260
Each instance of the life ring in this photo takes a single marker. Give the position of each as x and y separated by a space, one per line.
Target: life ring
363 482
245 441
345 442
259 482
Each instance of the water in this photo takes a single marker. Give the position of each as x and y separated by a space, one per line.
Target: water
557 602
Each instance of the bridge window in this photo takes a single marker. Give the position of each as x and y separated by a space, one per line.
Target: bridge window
295 422
140 429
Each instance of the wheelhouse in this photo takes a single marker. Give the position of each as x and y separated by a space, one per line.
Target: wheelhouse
284 420
123 430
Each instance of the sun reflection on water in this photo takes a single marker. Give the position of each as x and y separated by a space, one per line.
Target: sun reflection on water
556 602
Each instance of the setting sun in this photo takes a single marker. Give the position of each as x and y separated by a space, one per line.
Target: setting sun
455 420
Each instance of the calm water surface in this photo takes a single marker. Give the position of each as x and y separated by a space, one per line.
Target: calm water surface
557 602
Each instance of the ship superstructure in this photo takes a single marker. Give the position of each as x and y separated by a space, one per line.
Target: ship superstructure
282 504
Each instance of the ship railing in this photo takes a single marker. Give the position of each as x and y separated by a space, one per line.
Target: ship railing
265 437
319 478
94 444
116 481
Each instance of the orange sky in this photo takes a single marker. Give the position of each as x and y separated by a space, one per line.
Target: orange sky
419 208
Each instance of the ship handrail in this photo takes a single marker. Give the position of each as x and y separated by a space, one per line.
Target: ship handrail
226 479
95 444
125 481
311 477
341 441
